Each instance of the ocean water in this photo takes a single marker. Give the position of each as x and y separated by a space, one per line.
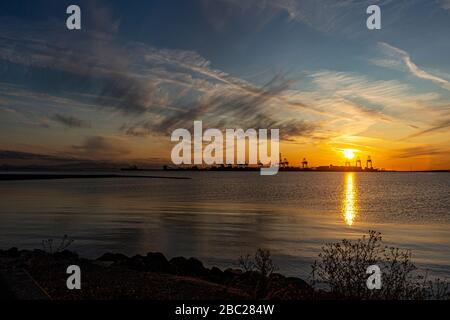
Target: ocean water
218 216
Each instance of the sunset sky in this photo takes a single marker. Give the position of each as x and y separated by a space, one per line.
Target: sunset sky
140 69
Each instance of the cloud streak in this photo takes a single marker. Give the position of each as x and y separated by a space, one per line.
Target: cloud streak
344 17
420 151
412 67
441 126
174 87
230 106
445 4
70 121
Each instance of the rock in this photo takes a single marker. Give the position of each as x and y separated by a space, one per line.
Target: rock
216 275
197 268
251 282
115 257
277 277
229 273
282 288
34 257
136 262
188 267
216 271
11 253
179 265
157 262
39 252
66 255
299 282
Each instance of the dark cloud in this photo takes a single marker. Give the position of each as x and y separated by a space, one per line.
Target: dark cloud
27 160
441 125
420 151
17 160
18 155
101 148
70 121
93 61
166 89
238 107
296 128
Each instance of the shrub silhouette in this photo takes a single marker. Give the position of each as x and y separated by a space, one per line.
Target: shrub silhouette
48 245
261 262
341 267
246 263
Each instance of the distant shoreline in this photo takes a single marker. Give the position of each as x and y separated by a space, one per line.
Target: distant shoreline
296 170
48 174
16 177
330 168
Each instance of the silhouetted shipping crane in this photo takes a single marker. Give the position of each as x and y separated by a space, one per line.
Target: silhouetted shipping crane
369 164
304 163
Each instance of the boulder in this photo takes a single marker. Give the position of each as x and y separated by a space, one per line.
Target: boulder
250 282
282 288
66 255
157 262
12 253
188 267
230 273
196 267
216 275
136 262
114 257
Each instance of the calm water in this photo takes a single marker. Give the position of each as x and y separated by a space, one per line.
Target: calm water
218 216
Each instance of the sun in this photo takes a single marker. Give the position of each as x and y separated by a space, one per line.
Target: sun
349 154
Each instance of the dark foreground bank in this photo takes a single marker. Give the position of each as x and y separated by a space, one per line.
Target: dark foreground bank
40 275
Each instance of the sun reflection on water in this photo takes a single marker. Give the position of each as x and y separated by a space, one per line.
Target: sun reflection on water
349 201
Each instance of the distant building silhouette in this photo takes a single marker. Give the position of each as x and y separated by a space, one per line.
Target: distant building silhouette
304 163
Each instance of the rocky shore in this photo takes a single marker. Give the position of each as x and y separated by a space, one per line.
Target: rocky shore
38 274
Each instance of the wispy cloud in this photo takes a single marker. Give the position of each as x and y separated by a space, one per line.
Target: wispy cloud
359 106
445 4
228 105
412 67
383 100
441 126
420 151
70 121
344 17
171 87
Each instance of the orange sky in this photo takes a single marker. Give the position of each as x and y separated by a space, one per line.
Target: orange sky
116 89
